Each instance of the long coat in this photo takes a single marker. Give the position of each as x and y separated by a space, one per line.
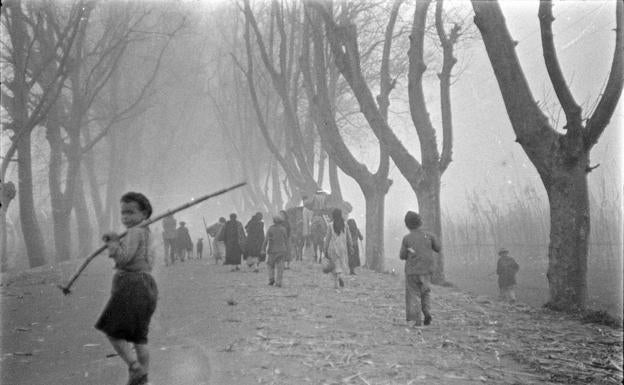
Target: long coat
183 239
255 237
233 235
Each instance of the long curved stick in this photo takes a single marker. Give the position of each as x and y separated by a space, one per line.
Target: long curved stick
66 289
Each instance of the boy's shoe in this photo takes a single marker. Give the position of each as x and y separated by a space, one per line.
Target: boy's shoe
271 282
278 285
427 320
414 324
137 374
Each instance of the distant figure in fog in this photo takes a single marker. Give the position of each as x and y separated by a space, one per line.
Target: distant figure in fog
199 248
354 255
233 235
506 269
255 238
417 250
169 238
184 243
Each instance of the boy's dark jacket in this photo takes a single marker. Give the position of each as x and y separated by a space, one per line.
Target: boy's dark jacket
417 250
506 268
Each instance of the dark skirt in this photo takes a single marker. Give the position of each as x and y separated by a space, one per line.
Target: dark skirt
130 308
233 254
354 257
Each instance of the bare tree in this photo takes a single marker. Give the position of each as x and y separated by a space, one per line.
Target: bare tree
323 105
37 77
561 159
284 75
140 37
423 176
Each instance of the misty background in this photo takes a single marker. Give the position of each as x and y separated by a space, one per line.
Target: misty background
181 139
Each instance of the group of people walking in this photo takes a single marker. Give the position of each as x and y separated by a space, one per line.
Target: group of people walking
235 244
178 243
125 319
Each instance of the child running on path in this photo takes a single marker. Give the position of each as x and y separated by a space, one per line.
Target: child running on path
417 251
275 245
126 317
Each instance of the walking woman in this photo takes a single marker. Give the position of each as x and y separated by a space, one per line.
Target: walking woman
337 246
354 256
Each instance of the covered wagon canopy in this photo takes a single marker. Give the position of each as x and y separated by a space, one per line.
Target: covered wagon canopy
322 202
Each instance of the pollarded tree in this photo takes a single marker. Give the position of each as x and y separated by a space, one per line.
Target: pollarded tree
424 176
561 159
320 78
281 65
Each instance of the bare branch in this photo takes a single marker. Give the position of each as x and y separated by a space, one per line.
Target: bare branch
569 105
604 110
448 61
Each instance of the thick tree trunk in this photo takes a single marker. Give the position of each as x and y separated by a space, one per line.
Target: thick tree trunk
60 214
569 236
334 182
276 190
81 211
94 189
374 242
62 235
30 226
428 196
321 169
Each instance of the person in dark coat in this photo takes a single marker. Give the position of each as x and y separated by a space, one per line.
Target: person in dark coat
253 243
169 238
184 243
354 255
506 268
233 235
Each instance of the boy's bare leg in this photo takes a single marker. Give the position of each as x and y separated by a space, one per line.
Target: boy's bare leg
123 348
143 356
280 272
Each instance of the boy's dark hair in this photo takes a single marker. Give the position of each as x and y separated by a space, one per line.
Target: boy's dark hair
140 199
412 220
222 220
232 216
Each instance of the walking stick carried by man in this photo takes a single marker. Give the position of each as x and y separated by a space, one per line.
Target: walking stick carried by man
66 289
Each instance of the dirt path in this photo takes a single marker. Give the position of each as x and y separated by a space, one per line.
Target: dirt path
216 327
